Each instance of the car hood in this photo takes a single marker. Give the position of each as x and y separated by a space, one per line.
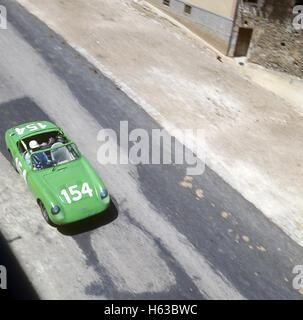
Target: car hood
75 173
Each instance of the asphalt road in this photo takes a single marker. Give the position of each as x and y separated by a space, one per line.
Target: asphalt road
160 241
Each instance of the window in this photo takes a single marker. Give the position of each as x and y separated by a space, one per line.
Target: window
51 158
166 2
187 9
251 2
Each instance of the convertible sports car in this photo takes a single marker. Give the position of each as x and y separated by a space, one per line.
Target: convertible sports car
65 185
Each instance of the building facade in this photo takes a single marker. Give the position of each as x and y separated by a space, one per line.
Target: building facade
261 30
265 33
211 19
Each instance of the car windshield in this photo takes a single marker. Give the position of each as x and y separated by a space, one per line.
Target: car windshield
54 157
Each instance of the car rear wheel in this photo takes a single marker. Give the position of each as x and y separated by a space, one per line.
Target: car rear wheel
45 214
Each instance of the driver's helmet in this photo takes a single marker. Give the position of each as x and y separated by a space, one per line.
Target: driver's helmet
34 145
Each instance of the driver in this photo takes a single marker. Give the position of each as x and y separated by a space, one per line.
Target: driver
39 159
60 139
47 145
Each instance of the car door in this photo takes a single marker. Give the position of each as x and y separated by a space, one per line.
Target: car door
20 162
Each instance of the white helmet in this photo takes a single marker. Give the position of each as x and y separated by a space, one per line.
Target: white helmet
34 144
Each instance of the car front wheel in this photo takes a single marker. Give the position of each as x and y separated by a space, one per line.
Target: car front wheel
45 214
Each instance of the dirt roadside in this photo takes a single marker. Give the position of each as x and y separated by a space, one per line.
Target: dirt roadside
253 137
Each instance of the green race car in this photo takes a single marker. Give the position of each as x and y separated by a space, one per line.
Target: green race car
65 185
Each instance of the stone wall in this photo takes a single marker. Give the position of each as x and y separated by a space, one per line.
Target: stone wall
275 43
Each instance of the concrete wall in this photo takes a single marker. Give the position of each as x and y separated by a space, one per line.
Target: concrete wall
210 25
223 8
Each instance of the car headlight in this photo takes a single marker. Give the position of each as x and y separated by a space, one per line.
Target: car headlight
55 210
104 194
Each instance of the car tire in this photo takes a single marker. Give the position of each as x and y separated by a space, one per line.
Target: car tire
45 214
12 162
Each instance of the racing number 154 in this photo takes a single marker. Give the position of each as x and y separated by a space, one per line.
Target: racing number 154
31 127
77 195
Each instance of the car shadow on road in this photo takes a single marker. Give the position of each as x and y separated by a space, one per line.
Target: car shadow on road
16 112
92 223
